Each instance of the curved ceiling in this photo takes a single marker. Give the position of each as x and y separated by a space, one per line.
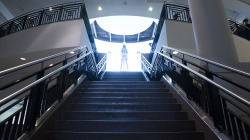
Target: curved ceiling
124 25
101 34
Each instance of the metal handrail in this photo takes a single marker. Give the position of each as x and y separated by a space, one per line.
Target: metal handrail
211 62
19 92
33 11
16 68
145 65
101 62
230 93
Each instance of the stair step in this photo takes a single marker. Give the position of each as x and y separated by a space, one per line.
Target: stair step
57 135
149 115
124 107
124 126
123 79
123 94
124 76
125 86
125 90
126 82
123 100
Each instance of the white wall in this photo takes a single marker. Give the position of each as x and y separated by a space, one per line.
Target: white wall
243 48
180 36
49 36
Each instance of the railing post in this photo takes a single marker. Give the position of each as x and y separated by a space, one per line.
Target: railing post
24 21
214 103
61 80
60 13
41 18
10 26
34 107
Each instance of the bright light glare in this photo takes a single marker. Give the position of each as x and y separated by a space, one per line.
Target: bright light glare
22 58
72 52
114 54
100 8
124 25
175 52
150 8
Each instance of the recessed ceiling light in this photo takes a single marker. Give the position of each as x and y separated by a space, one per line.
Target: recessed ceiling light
100 8
175 52
50 8
22 58
150 9
72 52
51 65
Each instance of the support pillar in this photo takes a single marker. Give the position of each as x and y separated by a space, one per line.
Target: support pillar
213 38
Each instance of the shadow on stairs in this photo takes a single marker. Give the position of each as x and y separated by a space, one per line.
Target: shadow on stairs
124 107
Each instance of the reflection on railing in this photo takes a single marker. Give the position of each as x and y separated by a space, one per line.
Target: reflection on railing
40 88
68 11
229 111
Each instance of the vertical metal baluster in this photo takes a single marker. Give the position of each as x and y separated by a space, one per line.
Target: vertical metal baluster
22 121
226 117
233 126
2 130
247 131
8 129
60 13
41 18
14 128
10 26
240 128
24 22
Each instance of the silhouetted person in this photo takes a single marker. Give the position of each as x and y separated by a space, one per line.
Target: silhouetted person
246 30
245 22
175 17
124 58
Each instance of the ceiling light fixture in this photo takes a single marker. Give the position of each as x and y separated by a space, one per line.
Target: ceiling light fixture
72 52
22 58
51 65
100 8
150 9
50 8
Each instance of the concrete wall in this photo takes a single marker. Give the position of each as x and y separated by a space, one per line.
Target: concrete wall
49 36
243 48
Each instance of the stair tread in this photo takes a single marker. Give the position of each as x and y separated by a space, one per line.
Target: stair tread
125 125
124 106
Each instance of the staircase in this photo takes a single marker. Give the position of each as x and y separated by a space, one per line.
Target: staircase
124 107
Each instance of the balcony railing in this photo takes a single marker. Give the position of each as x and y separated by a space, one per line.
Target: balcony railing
33 94
180 12
225 100
62 12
